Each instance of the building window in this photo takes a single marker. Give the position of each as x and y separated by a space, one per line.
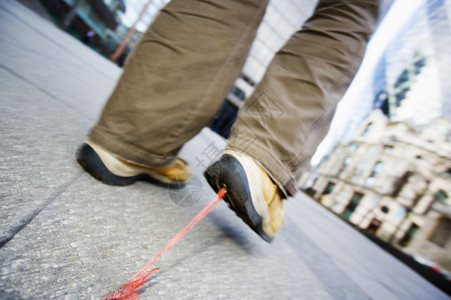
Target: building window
400 214
388 149
381 102
442 232
374 226
417 199
330 186
399 183
353 147
360 170
369 182
352 205
373 150
441 196
393 139
401 95
408 236
403 78
419 63
346 162
376 200
367 129
376 170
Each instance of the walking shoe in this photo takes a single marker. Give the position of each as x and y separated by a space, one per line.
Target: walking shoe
250 192
107 168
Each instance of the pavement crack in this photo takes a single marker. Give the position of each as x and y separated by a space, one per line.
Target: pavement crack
24 221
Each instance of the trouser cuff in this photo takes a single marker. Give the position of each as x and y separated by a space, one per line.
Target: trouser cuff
127 151
278 172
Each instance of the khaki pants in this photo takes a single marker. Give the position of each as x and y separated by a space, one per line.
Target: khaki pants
184 65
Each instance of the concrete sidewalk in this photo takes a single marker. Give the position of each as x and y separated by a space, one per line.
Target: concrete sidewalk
64 235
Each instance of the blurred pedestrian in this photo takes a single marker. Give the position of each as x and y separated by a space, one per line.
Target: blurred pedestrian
89 36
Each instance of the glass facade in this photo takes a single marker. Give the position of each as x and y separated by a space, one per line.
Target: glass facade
415 67
407 77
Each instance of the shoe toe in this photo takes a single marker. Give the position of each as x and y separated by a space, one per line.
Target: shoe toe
178 170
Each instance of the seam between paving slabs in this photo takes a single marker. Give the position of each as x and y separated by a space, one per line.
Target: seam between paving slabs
24 221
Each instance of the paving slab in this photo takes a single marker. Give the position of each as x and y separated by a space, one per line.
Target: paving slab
65 235
53 89
37 136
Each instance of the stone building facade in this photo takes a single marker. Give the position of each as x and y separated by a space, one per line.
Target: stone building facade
393 180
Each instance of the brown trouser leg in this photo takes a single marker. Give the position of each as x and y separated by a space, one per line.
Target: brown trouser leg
289 113
177 77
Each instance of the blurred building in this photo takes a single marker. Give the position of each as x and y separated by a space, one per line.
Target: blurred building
404 72
91 21
390 173
282 19
394 180
102 24
409 82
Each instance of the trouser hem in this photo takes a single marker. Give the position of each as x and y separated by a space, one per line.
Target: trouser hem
127 151
278 172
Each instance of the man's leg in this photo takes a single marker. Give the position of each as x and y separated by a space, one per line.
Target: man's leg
176 78
172 85
289 113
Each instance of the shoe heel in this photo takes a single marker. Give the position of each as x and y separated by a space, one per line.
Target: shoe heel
91 163
211 175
